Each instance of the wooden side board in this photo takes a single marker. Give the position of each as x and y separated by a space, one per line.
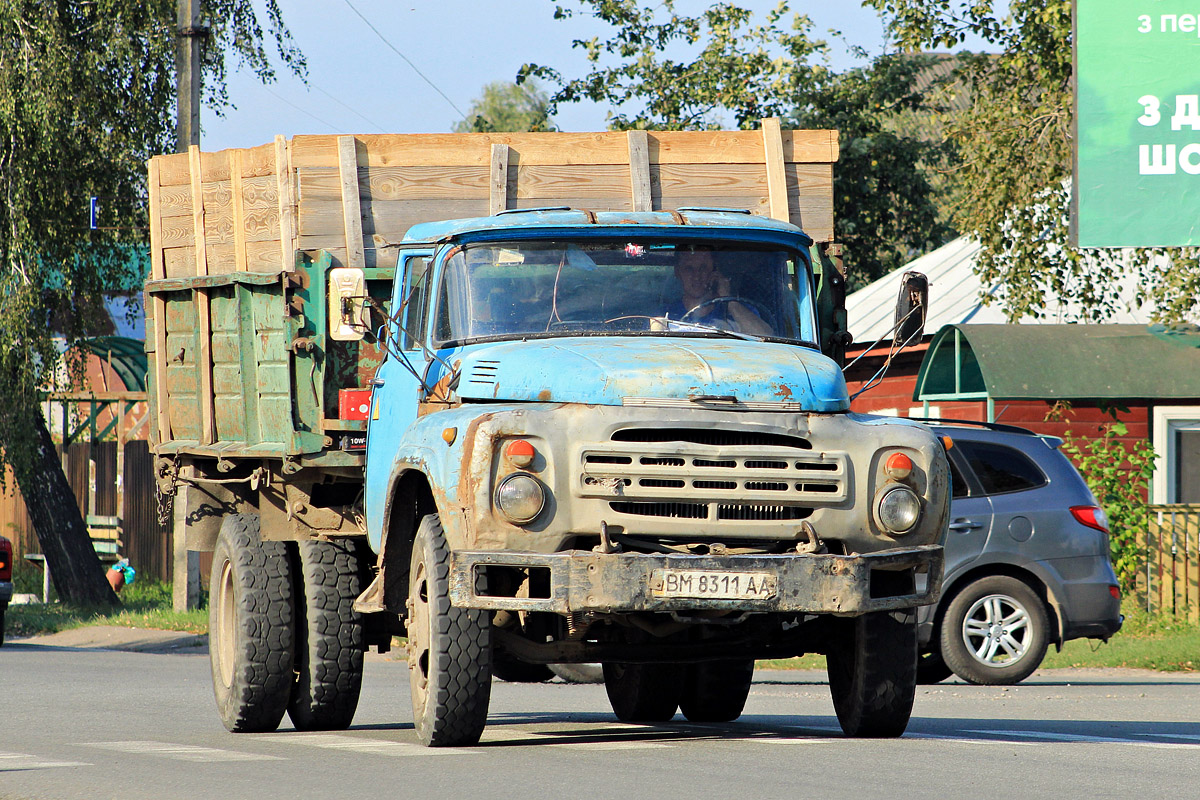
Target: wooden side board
238 210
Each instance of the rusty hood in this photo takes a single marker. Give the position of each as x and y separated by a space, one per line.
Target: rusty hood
623 370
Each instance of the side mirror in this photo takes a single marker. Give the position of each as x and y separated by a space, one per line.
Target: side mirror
911 308
347 308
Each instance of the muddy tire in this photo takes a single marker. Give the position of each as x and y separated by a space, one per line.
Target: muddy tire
512 670
873 673
449 649
642 692
716 691
995 631
250 623
3 608
329 636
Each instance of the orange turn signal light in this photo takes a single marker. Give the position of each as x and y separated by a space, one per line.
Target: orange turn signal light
520 453
898 466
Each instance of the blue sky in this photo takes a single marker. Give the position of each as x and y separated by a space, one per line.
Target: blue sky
357 84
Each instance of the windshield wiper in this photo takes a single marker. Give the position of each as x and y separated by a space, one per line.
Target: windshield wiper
748 337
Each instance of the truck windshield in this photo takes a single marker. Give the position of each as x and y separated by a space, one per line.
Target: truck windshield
588 287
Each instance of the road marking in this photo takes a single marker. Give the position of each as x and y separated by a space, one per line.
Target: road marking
595 745
964 739
181 752
355 744
1082 738
11 762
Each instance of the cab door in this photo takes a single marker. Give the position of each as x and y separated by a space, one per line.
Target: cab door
395 389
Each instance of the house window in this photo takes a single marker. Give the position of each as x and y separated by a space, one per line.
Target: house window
1177 450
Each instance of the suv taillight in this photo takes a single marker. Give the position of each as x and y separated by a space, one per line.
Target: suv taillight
5 559
1092 516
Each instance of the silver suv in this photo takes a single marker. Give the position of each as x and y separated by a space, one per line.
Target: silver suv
1027 558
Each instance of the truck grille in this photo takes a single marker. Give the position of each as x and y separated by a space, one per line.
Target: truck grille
732 476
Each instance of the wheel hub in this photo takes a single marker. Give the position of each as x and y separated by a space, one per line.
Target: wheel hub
996 630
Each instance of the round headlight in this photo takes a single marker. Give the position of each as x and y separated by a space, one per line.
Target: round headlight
899 509
520 497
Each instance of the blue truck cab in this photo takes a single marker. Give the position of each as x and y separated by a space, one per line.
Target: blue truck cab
614 437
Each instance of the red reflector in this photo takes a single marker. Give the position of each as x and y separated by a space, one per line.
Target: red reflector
520 452
1115 591
354 403
1091 516
899 466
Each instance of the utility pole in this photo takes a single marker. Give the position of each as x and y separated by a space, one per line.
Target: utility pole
187 72
186 563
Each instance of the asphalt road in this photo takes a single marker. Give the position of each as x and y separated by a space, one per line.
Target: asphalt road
89 723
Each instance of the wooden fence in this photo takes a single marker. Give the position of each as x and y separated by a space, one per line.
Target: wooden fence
1169 581
147 544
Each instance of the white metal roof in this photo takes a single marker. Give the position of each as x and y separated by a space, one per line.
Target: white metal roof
955 297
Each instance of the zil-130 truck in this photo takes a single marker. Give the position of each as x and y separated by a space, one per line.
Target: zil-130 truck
530 399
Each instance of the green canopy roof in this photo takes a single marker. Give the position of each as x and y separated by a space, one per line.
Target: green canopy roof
1081 362
127 356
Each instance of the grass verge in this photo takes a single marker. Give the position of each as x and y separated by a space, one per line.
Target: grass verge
1159 643
143 605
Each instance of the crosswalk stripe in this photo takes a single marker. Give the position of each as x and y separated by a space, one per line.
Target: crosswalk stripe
1078 737
10 762
356 744
181 752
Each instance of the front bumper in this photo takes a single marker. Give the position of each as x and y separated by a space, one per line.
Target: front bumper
583 581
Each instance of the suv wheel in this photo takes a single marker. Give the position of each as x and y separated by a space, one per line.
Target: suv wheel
995 631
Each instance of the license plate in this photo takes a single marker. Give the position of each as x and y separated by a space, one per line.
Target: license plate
717 585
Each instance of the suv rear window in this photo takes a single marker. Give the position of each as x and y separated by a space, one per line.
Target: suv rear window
1001 469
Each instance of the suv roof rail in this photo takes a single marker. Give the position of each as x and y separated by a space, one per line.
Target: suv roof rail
991 426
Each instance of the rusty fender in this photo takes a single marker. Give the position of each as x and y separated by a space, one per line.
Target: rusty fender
626 582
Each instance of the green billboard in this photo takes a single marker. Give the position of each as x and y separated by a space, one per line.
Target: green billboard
1137 124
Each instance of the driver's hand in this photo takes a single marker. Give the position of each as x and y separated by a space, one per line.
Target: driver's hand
722 286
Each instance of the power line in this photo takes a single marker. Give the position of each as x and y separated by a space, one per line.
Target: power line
351 109
304 111
406 58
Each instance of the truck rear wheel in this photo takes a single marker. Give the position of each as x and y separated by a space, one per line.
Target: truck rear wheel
642 692
873 673
449 650
716 691
329 636
250 627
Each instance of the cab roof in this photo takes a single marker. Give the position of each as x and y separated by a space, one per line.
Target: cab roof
686 221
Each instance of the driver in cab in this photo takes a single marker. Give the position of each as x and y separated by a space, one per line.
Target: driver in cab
707 297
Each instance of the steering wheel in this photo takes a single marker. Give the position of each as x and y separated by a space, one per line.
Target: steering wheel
764 313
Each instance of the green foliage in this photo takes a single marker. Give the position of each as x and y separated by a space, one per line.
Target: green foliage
505 107
1118 474
1011 188
87 94
886 208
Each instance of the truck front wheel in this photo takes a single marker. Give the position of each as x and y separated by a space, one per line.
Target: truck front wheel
329 633
642 692
873 673
250 627
716 691
449 651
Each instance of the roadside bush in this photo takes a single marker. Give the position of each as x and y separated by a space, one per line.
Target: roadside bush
1119 474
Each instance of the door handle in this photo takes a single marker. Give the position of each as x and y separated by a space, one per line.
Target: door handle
377 382
964 525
